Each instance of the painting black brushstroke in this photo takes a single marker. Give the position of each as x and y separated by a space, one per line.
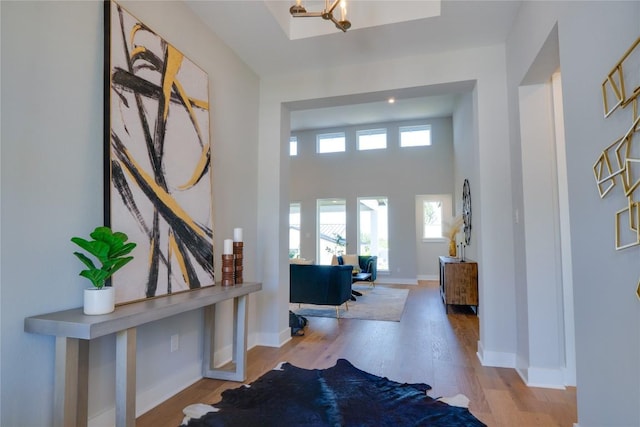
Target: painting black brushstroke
159 168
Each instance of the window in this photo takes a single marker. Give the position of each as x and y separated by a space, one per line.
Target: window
294 230
415 136
373 233
436 213
371 139
293 146
331 142
332 227
432 219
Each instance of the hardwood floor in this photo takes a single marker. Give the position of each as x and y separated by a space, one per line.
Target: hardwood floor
427 346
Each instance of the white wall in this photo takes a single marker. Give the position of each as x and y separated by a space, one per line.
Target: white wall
544 361
492 190
51 178
592 36
465 145
396 173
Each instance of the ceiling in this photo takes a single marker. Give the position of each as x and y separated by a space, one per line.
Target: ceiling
373 112
263 35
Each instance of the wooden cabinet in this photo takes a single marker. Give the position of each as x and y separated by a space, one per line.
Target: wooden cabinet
458 282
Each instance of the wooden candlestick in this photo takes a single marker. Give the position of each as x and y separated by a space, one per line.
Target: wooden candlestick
237 253
227 270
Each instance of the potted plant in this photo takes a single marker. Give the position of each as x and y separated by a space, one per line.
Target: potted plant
111 250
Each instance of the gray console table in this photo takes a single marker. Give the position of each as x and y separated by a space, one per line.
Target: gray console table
73 331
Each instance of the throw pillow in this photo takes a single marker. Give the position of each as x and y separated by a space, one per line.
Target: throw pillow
351 260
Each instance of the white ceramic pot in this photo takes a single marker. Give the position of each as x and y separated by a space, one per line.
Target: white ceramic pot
99 301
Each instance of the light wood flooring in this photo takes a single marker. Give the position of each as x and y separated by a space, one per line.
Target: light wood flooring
426 346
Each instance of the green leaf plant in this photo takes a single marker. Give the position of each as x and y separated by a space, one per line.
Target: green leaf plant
109 249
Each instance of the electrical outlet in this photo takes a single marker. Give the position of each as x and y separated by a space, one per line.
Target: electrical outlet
175 342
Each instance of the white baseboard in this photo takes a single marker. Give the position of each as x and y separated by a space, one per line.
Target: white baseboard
272 339
496 359
223 356
543 377
429 277
167 387
394 281
285 337
104 419
252 340
569 377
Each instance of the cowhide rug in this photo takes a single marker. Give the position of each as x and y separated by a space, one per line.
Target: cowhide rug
339 396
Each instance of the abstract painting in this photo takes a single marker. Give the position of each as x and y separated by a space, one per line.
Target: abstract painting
158 187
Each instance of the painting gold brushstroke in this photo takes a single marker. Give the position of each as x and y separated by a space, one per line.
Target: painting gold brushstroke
173 249
165 197
203 164
149 79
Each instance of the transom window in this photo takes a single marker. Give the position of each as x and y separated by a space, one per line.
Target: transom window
415 136
330 142
372 139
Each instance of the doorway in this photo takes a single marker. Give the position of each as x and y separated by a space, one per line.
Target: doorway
546 347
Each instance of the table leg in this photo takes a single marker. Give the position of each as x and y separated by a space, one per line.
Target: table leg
240 339
71 382
126 378
208 362
238 372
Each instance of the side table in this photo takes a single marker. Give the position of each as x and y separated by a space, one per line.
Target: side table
458 282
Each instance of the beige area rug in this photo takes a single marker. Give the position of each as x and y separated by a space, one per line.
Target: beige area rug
377 303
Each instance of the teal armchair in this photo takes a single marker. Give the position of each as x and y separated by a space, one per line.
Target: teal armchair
368 264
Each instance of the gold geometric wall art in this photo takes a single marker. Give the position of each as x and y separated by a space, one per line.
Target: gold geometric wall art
622 84
614 160
631 177
605 171
629 152
634 108
620 89
611 92
627 234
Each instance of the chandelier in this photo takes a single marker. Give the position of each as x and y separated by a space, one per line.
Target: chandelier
299 11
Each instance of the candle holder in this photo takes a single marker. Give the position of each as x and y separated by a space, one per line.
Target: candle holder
228 270
237 253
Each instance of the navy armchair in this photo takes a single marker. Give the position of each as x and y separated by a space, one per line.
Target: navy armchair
320 284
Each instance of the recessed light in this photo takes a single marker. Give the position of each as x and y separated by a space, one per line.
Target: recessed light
391 100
